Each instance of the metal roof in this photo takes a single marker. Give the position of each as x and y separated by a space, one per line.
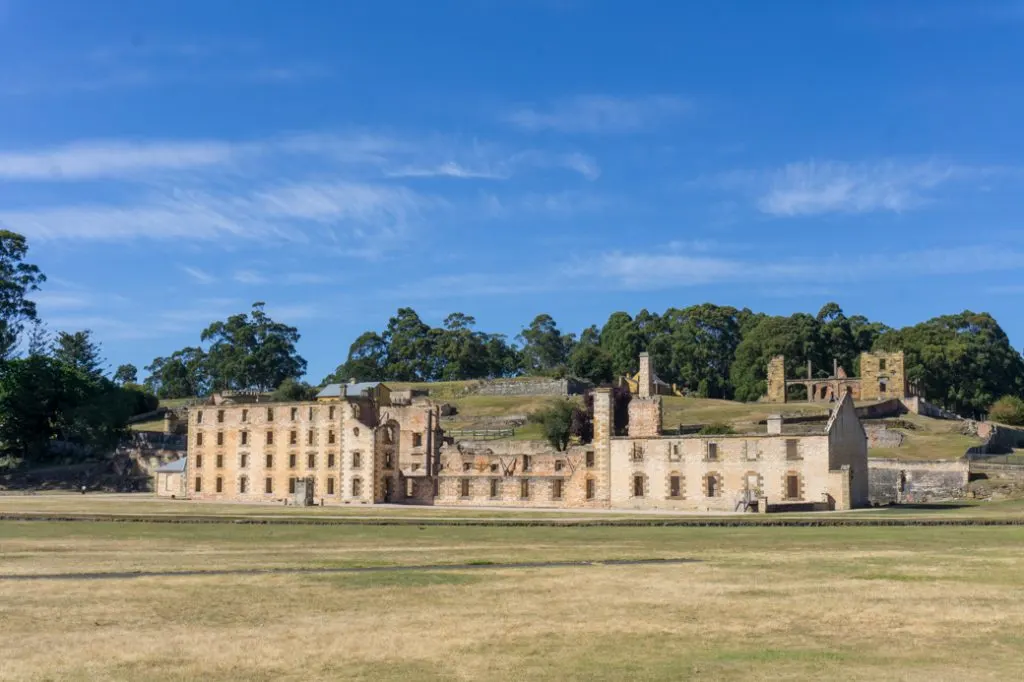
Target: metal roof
347 390
175 467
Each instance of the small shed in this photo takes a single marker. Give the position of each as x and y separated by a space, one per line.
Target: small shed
170 479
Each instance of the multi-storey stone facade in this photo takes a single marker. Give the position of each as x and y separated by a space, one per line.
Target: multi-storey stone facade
352 446
347 449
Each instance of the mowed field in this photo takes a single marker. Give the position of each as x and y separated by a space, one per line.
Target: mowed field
760 603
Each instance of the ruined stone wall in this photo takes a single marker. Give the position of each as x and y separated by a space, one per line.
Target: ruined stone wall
492 473
169 484
528 387
645 417
776 380
876 368
921 481
848 447
737 463
881 436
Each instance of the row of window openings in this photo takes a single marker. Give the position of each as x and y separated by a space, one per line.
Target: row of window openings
293 438
268 486
270 414
711 453
524 488
243 461
528 464
712 486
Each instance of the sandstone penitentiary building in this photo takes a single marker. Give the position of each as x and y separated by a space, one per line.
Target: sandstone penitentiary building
361 443
883 377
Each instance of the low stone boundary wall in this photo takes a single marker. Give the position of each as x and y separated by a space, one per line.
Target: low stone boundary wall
528 387
899 481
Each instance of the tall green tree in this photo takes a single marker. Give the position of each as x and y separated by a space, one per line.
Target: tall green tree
411 348
79 350
18 280
183 374
797 337
367 361
589 360
963 362
126 374
622 341
697 348
252 351
545 349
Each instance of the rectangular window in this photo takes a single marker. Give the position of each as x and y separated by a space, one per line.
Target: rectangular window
270 437
673 455
243 462
220 461
330 437
219 485
293 438
556 489
590 459
291 486
330 460
199 439
883 386
330 485
793 486
467 466
559 464
245 415
590 488
270 461
199 484
244 436
524 488
268 485
638 486
220 416
330 412
243 485
527 462
464 487
310 461
881 365
494 487
310 414
712 451
388 460
270 414
292 461
494 468
199 461
792 448
410 487
417 440
674 487
309 437
220 438
295 413
199 417
357 460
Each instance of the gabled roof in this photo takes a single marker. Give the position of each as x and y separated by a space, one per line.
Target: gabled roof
175 467
347 390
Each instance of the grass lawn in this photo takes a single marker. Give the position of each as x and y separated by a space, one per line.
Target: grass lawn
761 603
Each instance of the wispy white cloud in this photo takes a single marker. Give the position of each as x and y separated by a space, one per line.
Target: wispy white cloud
198 275
249 277
353 215
116 159
820 187
600 114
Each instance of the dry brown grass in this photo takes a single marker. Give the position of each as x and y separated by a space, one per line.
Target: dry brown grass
769 603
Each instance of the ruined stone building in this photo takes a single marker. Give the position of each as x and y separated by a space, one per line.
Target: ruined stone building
351 445
354 446
883 377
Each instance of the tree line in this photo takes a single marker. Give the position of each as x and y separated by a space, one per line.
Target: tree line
963 362
54 388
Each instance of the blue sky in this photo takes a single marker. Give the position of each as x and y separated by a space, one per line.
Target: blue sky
172 162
